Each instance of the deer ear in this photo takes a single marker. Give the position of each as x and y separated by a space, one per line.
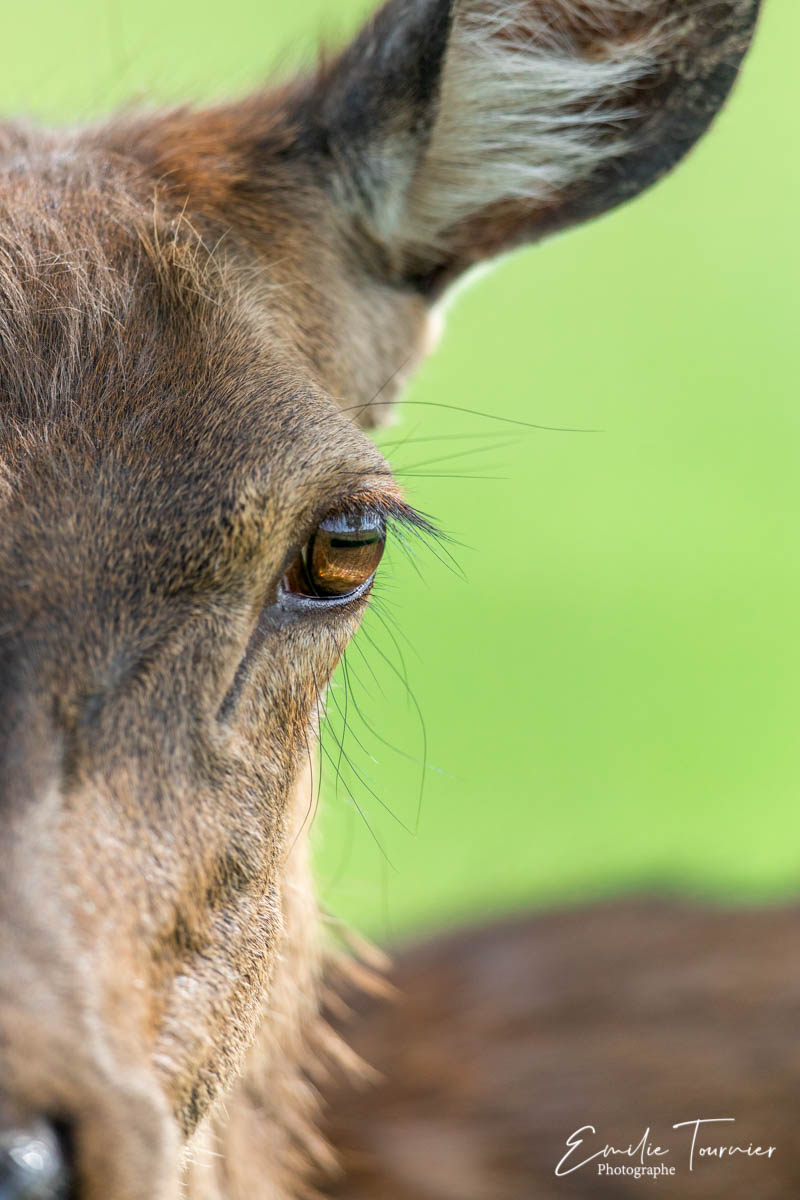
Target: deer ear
453 130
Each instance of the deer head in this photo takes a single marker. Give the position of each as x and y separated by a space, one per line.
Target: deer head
198 311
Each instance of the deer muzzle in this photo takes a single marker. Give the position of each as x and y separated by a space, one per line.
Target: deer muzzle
76 1123
81 1115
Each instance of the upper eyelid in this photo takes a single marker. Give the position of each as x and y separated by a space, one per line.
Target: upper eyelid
382 496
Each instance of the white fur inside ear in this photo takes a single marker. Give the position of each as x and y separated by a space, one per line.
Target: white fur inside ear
523 112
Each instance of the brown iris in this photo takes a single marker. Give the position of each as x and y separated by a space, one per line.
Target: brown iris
341 557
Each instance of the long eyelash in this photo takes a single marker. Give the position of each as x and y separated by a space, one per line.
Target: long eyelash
337 768
434 540
344 716
344 757
401 674
476 412
395 512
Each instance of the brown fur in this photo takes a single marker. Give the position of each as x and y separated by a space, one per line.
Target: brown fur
196 312
505 1040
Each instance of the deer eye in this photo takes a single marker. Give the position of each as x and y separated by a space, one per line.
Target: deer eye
339 559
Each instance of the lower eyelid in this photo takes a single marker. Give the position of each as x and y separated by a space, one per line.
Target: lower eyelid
293 601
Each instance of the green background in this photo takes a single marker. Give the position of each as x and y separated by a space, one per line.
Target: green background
611 693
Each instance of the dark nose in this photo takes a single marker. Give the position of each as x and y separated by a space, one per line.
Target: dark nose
33 1163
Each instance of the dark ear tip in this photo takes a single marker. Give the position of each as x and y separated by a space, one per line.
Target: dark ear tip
709 55
676 106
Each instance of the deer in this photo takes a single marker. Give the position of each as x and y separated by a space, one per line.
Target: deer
203 311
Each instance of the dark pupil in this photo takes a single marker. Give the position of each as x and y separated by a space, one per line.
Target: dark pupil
339 561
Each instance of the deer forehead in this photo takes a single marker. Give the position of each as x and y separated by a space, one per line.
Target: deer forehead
157 389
